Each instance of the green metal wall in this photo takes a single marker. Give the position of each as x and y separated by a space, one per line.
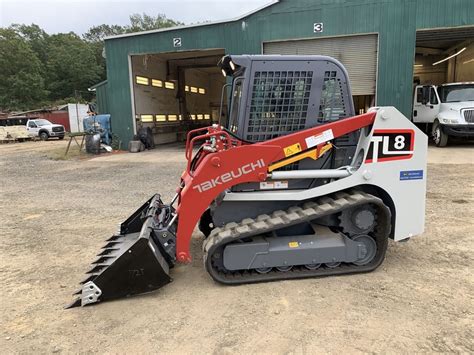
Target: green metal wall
102 98
395 21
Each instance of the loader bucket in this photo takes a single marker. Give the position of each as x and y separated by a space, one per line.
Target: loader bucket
137 260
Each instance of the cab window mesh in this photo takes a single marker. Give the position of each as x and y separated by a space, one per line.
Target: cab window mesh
279 103
332 106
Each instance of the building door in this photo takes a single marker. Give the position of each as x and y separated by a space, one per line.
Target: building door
357 53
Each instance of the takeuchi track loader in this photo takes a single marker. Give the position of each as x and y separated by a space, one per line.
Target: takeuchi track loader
294 185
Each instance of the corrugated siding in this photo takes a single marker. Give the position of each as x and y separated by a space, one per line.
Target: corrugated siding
102 98
358 54
395 21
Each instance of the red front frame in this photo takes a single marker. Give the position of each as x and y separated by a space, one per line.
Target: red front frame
243 162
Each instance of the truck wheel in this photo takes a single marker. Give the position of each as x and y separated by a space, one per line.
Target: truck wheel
44 136
440 138
61 138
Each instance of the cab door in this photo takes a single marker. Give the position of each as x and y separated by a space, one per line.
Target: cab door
32 128
426 104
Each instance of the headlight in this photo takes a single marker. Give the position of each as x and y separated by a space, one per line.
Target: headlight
449 121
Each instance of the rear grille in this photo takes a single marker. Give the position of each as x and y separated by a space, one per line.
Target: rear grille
469 115
58 129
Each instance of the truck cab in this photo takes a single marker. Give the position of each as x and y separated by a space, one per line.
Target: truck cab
445 111
44 129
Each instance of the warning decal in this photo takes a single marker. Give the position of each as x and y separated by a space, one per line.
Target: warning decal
269 185
293 244
292 149
313 141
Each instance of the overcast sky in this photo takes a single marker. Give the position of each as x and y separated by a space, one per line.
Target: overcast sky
78 16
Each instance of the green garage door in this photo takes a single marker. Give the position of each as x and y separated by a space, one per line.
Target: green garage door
357 53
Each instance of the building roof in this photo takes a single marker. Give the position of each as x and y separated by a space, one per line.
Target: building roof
273 2
95 86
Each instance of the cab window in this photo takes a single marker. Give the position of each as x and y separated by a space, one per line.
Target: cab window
433 98
419 95
31 124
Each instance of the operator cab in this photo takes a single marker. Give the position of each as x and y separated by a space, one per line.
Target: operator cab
275 95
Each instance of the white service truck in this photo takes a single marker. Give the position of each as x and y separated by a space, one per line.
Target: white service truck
445 111
44 129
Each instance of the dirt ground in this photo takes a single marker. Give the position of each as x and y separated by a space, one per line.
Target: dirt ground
56 214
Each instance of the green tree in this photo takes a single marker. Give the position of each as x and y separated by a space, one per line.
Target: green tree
95 37
71 66
146 22
36 37
22 85
98 33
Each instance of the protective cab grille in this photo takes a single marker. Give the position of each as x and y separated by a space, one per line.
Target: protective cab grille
279 103
469 115
332 106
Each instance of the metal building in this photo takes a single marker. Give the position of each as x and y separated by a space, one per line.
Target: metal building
168 80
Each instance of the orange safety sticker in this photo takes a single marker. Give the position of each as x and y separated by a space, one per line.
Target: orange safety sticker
292 149
293 244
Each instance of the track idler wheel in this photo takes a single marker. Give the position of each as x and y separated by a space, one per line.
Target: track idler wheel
369 250
312 266
263 270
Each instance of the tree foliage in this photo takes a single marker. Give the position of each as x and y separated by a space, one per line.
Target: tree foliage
21 72
145 22
71 65
38 69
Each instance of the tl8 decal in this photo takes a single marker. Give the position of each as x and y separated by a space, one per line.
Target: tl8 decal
390 144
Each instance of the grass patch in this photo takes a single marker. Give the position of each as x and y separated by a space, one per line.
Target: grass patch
60 153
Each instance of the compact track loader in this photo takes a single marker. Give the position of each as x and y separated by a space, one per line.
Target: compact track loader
294 185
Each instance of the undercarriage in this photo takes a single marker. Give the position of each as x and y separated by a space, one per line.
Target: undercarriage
264 248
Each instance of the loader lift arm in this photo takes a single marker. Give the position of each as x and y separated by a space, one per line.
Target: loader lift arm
225 161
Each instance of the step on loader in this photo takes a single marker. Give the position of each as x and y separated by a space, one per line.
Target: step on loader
293 185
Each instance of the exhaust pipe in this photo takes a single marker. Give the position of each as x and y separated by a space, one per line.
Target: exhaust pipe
135 261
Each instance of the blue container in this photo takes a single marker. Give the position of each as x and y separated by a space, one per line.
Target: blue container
99 124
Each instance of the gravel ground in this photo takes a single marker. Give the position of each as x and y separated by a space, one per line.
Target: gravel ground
55 216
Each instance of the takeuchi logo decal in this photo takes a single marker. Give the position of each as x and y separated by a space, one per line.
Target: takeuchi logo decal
229 176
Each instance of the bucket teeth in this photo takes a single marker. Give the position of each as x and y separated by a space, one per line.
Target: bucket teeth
114 237
75 303
96 269
111 244
89 278
103 259
107 251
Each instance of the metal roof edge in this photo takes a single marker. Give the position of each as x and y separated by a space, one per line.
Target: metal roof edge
97 85
273 2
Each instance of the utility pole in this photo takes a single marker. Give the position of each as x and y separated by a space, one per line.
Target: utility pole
76 95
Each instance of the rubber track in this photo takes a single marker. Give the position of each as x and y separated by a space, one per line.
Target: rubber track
320 207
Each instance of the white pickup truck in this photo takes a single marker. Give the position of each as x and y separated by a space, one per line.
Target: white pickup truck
44 129
445 111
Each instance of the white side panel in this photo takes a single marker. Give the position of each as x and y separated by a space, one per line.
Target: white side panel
77 113
408 195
